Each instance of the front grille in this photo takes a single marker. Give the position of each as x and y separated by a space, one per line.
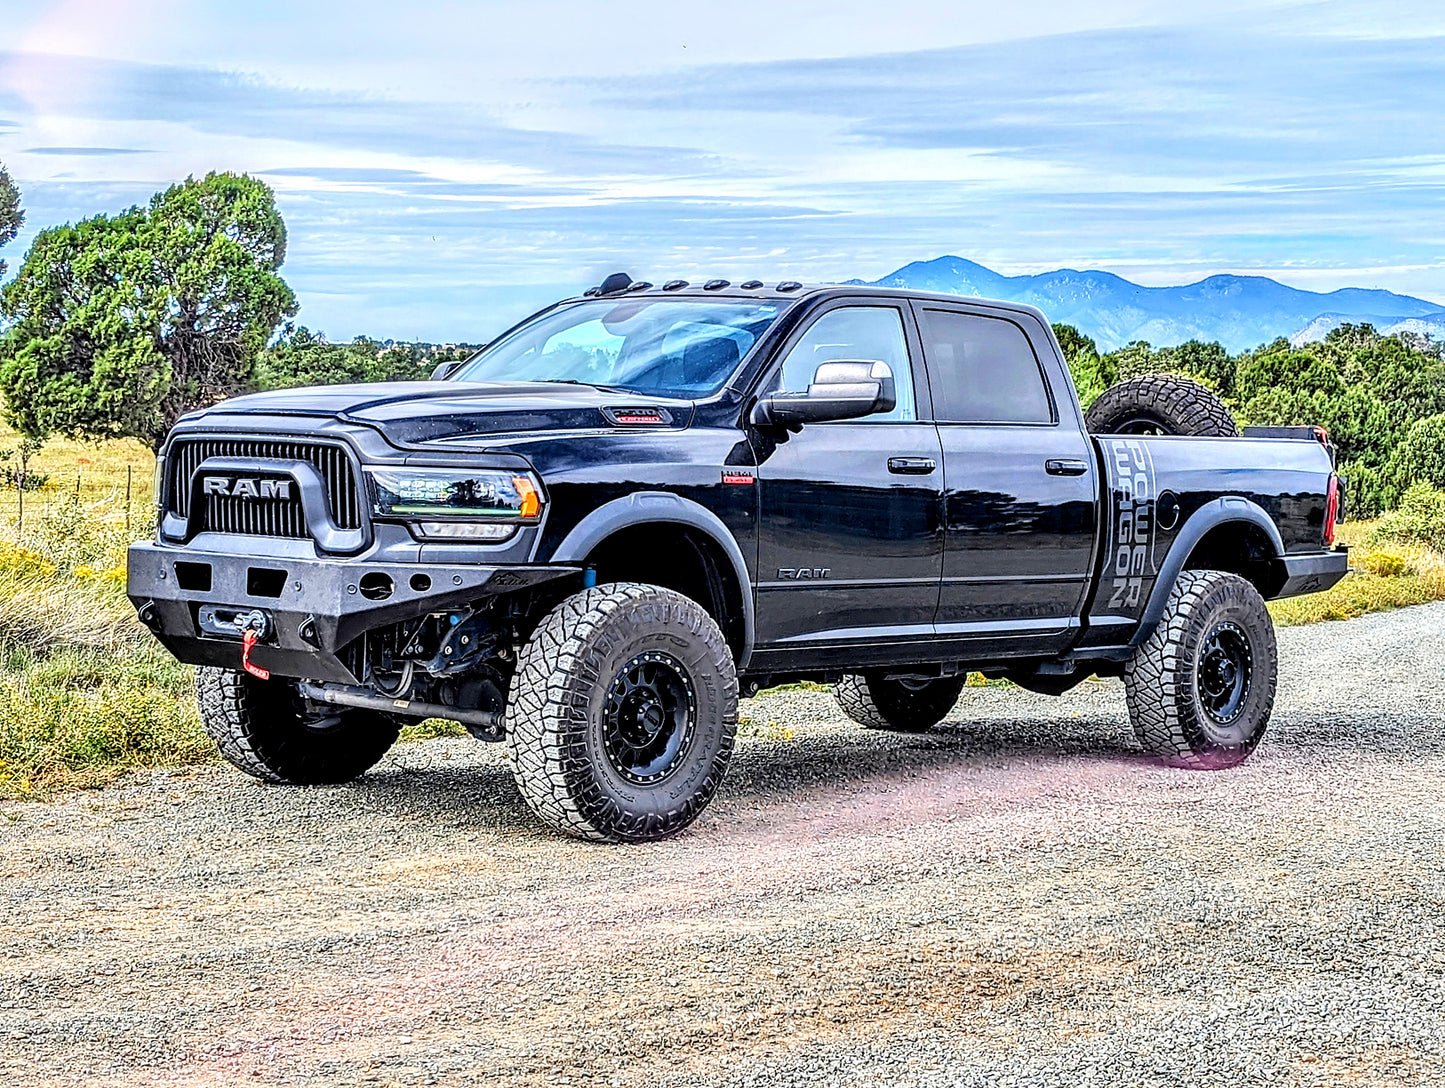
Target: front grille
265 517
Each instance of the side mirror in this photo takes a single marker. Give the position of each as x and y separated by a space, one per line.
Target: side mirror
445 370
840 390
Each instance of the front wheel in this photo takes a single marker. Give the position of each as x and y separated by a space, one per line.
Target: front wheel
265 728
622 714
1201 687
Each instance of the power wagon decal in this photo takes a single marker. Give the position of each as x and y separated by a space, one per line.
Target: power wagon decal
1130 568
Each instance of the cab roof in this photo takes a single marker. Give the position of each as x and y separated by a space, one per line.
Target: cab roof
619 286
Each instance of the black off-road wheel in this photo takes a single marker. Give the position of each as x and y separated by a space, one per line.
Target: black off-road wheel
1201 688
904 706
1160 404
622 714
265 728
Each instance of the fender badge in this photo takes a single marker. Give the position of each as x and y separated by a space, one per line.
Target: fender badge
737 476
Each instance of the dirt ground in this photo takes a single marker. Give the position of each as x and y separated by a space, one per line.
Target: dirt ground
1018 898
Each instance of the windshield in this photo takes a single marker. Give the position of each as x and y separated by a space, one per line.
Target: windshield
683 347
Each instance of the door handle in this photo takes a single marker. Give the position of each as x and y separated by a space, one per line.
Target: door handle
912 466
1065 466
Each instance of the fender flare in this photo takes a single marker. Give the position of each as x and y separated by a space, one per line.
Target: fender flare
652 508
1228 509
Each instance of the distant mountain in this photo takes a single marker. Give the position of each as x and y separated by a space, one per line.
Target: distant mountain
1239 311
1431 325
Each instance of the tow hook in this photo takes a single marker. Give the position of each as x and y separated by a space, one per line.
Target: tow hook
255 627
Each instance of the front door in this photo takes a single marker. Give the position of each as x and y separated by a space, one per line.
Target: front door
1019 479
851 533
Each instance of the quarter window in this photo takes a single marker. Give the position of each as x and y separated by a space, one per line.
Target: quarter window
982 370
872 333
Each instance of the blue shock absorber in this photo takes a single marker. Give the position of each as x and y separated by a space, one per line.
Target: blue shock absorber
589 578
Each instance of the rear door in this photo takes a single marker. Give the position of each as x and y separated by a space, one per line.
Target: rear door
851 532
1019 480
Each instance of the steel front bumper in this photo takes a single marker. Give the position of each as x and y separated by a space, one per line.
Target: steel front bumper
317 607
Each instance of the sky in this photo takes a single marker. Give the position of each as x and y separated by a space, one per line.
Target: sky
446 167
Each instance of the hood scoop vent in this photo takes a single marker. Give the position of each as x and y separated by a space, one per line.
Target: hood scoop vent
647 416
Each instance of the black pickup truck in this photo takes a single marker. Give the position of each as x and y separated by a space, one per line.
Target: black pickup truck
586 539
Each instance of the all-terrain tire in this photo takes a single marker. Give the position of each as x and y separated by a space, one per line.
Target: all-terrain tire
1160 404
266 729
1180 684
622 714
903 706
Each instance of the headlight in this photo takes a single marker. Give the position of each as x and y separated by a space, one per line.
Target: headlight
438 493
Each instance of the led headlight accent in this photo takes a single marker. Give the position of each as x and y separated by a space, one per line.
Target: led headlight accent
454 493
488 532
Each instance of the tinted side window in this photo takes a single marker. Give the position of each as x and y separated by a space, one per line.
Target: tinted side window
982 370
874 333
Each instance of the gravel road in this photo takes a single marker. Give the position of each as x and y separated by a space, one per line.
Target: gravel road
1019 898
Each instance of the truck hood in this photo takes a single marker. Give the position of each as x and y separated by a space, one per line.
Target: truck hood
409 413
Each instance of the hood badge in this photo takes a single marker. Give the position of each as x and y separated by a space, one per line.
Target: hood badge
740 476
636 416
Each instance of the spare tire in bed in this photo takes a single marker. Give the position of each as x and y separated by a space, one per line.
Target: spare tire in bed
1160 404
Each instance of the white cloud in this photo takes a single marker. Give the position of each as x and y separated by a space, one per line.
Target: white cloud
426 156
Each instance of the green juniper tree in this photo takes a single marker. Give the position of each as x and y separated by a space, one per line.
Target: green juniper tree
118 325
11 217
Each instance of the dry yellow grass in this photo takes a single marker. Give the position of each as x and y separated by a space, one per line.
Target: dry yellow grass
1382 576
98 473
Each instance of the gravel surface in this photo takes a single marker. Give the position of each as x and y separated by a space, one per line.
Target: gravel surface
1019 898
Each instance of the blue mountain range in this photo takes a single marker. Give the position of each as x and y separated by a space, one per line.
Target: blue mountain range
1240 312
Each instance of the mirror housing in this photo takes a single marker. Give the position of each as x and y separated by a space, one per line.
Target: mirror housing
846 389
445 370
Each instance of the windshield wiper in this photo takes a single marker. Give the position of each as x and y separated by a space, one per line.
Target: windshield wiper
594 385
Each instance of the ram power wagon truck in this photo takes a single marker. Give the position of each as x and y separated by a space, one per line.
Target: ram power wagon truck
589 538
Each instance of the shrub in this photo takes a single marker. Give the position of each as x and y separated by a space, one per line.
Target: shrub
79 716
1369 491
1384 563
1419 520
1207 363
73 534
1091 375
1420 456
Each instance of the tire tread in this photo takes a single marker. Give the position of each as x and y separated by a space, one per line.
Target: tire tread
1157 680
548 713
1185 406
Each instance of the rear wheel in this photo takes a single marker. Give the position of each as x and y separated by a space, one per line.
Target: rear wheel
265 728
903 705
623 714
1160 404
1201 688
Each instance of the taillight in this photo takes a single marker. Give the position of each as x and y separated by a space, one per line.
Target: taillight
1332 510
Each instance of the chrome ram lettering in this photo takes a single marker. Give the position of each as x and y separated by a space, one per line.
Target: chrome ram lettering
243 488
1132 539
792 574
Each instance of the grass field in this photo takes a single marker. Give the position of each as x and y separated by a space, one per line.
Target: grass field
86 693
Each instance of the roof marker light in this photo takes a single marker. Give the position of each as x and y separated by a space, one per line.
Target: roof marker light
615 284
674 285
714 285
751 285
789 285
